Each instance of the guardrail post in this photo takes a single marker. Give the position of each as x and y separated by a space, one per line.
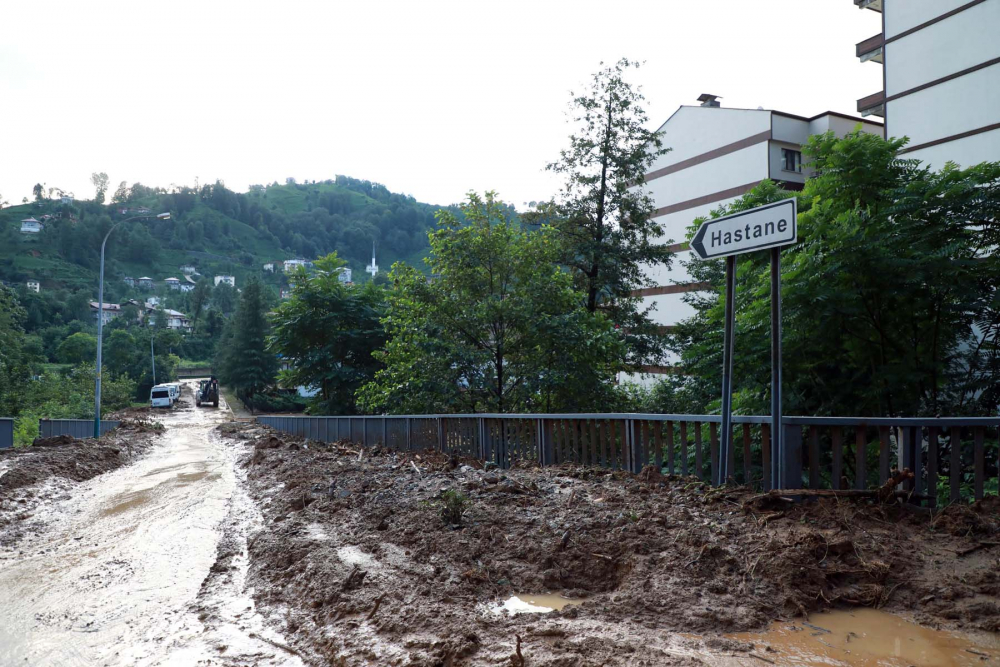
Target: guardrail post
547 450
791 464
440 442
408 436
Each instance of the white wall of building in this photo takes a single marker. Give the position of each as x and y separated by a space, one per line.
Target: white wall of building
728 171
670 308
959 42
967 103
684 133
901 15
965 152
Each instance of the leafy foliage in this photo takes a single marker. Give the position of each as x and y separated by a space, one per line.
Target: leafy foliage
244 362
890 297
499 328
14 364
602 221
326 332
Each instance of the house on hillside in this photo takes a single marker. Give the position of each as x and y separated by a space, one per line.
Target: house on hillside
344 276
292 264
66 199
152 303
188 270
269 267
286 294
129 280
177 320
172 283
187 287
142 210
108 313
229 280
145 283
34 286
31 226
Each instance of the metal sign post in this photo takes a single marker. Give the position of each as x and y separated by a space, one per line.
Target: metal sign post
766 227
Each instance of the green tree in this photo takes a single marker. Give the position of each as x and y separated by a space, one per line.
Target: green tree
224 298
327 332
602 219
77 348
120 351
38 191
243 360
200 296
890 298
100 181
501 329
15 372
121 194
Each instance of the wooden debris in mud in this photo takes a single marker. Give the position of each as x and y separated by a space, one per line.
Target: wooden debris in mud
378 603
517 660
884 493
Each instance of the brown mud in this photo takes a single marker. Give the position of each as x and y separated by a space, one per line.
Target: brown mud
376 557
48 471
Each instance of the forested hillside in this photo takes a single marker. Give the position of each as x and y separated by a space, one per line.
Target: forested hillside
217 230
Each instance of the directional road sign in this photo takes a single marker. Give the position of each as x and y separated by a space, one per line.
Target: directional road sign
767 226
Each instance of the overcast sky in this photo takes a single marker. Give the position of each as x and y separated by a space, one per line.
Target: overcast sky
430 97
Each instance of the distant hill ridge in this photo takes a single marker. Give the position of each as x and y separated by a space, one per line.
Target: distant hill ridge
217 229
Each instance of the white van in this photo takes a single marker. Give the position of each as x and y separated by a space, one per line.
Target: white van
159 397
175 391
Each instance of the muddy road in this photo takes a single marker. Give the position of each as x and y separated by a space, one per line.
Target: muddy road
141 565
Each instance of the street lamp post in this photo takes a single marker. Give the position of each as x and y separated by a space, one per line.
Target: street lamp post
100 321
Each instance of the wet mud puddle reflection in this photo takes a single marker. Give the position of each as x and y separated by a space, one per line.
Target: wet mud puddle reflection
865 638
533 604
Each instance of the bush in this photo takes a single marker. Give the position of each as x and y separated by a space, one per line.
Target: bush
275 401
453 506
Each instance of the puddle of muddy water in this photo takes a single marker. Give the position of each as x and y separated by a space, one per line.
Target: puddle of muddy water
868 638
534 604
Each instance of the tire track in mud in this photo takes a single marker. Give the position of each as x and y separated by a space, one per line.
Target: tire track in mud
139 566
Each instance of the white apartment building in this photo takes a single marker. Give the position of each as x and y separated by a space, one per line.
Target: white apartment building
292 264
109 311
229 280
941 77
717 155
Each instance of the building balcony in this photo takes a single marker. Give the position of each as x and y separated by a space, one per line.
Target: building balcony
874 5
871 49
873 105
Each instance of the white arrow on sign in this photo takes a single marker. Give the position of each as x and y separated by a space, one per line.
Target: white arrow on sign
763 227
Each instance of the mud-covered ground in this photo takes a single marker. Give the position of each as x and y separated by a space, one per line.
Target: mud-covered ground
49 470
375 557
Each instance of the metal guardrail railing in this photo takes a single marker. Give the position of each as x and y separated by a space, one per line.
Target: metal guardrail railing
820 452
77 428
6 433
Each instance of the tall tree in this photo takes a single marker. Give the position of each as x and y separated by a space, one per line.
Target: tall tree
121 194
100 181
327 332
14 369
200 296
38 191
244 362
603 216
501 328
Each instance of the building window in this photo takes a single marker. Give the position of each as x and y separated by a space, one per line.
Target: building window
791 160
